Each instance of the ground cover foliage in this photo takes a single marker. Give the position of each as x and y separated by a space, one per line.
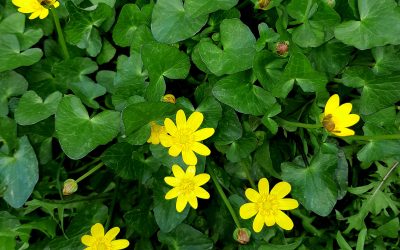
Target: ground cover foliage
260 72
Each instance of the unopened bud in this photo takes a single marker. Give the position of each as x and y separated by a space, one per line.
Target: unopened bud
263 4
169 98
70 187
282 48
242 235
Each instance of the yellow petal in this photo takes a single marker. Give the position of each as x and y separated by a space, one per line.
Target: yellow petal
283 220
201 149
166 140
88 240
343 132
170 126
119 244
349 120
19 3
190 172
269 220
180 119
172 181
287 204
189 157
252 195
44 13
181 203
172 193
178 171
193 201
194 121
201 179
88 248
343 109
34 15
248 210
174 150
56 4
258 223
332 104
281 189
97 230
112 233
203 134
201 193
263 186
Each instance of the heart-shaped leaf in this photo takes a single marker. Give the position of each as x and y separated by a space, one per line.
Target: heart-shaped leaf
19 174
78 133
11 84
196 8
31 108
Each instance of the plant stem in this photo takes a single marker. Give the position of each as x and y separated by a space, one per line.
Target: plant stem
223 196
373 137
91 171
114 199
246 170
297 124
61 39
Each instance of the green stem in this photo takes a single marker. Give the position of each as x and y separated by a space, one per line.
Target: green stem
91 171
246 170
223 196
114 199
373 137
61 39
296 124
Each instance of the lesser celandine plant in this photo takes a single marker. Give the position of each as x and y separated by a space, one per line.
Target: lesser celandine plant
199 124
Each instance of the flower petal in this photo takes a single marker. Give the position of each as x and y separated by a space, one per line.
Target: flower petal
97 230
189 157
88 240
258 223
190 172
166 140
283 220
194 121
172 181
44 13
180 119
201 149
203 134
252 195
178 171
349 120
172 193
288 204
56 4
281 189
112 233
332 104
119 244
174 150
193 201
263 186
181 203
269 220
201 193
201 179
170 126
343 132
34 15
248 210
343 109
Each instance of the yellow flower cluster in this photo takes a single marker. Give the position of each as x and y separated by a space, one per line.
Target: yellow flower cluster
100 241
38 8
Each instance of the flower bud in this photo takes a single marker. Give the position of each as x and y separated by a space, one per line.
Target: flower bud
169 98
263 4
282 48
242 235
70 187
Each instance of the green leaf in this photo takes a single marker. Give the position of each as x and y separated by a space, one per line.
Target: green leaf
161 61
78 133
342 242
32 109
370 31
268 121
11 84
19 174
242 148
387 60
239 49
290 246
87 92
12 54
314 186
196 8
212 112
185 237
267 68
390 229
140 221
129 20
299 70
235 91
172 23
107 52
82 29
8 134
229 127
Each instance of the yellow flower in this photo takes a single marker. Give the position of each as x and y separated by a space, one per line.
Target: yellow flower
38 8
184 138
186 186
267 206
156 131
99 241
337 118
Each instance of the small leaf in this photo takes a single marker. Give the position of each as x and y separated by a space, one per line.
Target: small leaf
185 237
11 84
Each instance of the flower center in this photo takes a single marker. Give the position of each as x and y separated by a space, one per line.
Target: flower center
328 123
184 137
102 245
186 186
46 3
267 204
